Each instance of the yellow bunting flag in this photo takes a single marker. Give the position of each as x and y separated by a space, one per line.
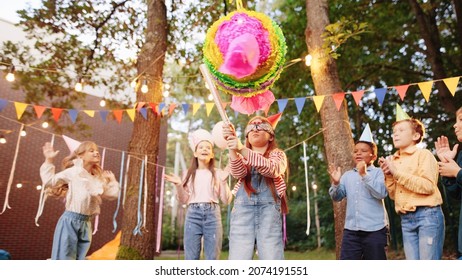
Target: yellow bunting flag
451 84
195 107
90 113
357 95
39 110
318 100
209 107
20 108
118 115
425 88
338 99
402 91
131 114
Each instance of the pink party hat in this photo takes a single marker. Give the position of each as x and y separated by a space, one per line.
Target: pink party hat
198 136
71 143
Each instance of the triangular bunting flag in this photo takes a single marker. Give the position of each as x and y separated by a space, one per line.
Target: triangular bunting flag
103 115
118 115
282 103
144 113
90 113
185 107
357 95
171 108
266 111
155 109
39 110
56 113
131 114
3 104
300 102
380 93
209 107
318 100
72 114
140 105
425 88
196 107
161 106
20 108
401 90
338 99
224 104
451 84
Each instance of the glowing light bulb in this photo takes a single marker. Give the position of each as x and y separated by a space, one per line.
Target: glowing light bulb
308 59
144 87
102 103
2 139
210 97
18 185
23 132
79 85
10 76
38 187
133 83
45 124
166 93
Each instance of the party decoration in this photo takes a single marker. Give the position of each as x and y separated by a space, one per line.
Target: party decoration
400 114
274 119
366 136
217 135
72 144
198 136
245 53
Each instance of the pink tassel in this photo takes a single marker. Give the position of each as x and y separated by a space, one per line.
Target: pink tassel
249 105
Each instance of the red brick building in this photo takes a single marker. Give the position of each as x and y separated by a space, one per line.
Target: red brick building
18 233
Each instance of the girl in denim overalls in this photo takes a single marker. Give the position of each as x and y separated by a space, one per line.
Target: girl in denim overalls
256 218
201 189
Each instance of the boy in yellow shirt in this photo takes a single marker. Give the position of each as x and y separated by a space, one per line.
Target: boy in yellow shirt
411 176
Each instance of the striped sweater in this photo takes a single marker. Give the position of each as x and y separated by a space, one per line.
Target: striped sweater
274 167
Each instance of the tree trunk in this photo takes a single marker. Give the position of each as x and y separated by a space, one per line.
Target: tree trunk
338 141
145 141
430 33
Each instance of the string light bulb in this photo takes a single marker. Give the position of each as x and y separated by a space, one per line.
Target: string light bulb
166 93
23 132
10 76
308 59
2 139
18 185
134 83
45 124
210 97
102 103
144 87
79 85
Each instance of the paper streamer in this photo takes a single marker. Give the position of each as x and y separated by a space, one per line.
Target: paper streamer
10 180
114 221
307 186
137 229
96 224
161 207
103 156
145 204
126 181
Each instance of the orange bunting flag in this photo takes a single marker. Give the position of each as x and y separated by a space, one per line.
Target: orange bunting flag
118 115
20 108
318 100
131 114
154 107
56 113
224 104
338 99
425 88
39 110
451 84
195 107
171 108
357 95
209 107
90 113
140 105
402 91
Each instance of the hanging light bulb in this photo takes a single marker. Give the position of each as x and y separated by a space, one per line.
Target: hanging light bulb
45 124
167 86
23 132
2 139
210 97
144 87
79 85
10 76
134 83
308 59
38 187
166 93
102 103
18 185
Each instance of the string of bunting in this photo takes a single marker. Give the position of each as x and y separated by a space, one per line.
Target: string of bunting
163 109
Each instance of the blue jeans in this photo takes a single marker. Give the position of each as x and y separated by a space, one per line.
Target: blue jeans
256 221
203 220
72 237
423 233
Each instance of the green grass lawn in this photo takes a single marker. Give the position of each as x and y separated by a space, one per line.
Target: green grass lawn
317 254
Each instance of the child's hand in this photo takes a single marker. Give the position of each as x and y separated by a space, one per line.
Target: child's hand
228 130
387 165
448 169
443 151
234 143
48 152
335 174
362 168
173 178
109 176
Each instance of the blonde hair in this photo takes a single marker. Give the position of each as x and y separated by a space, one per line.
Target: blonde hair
96 170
